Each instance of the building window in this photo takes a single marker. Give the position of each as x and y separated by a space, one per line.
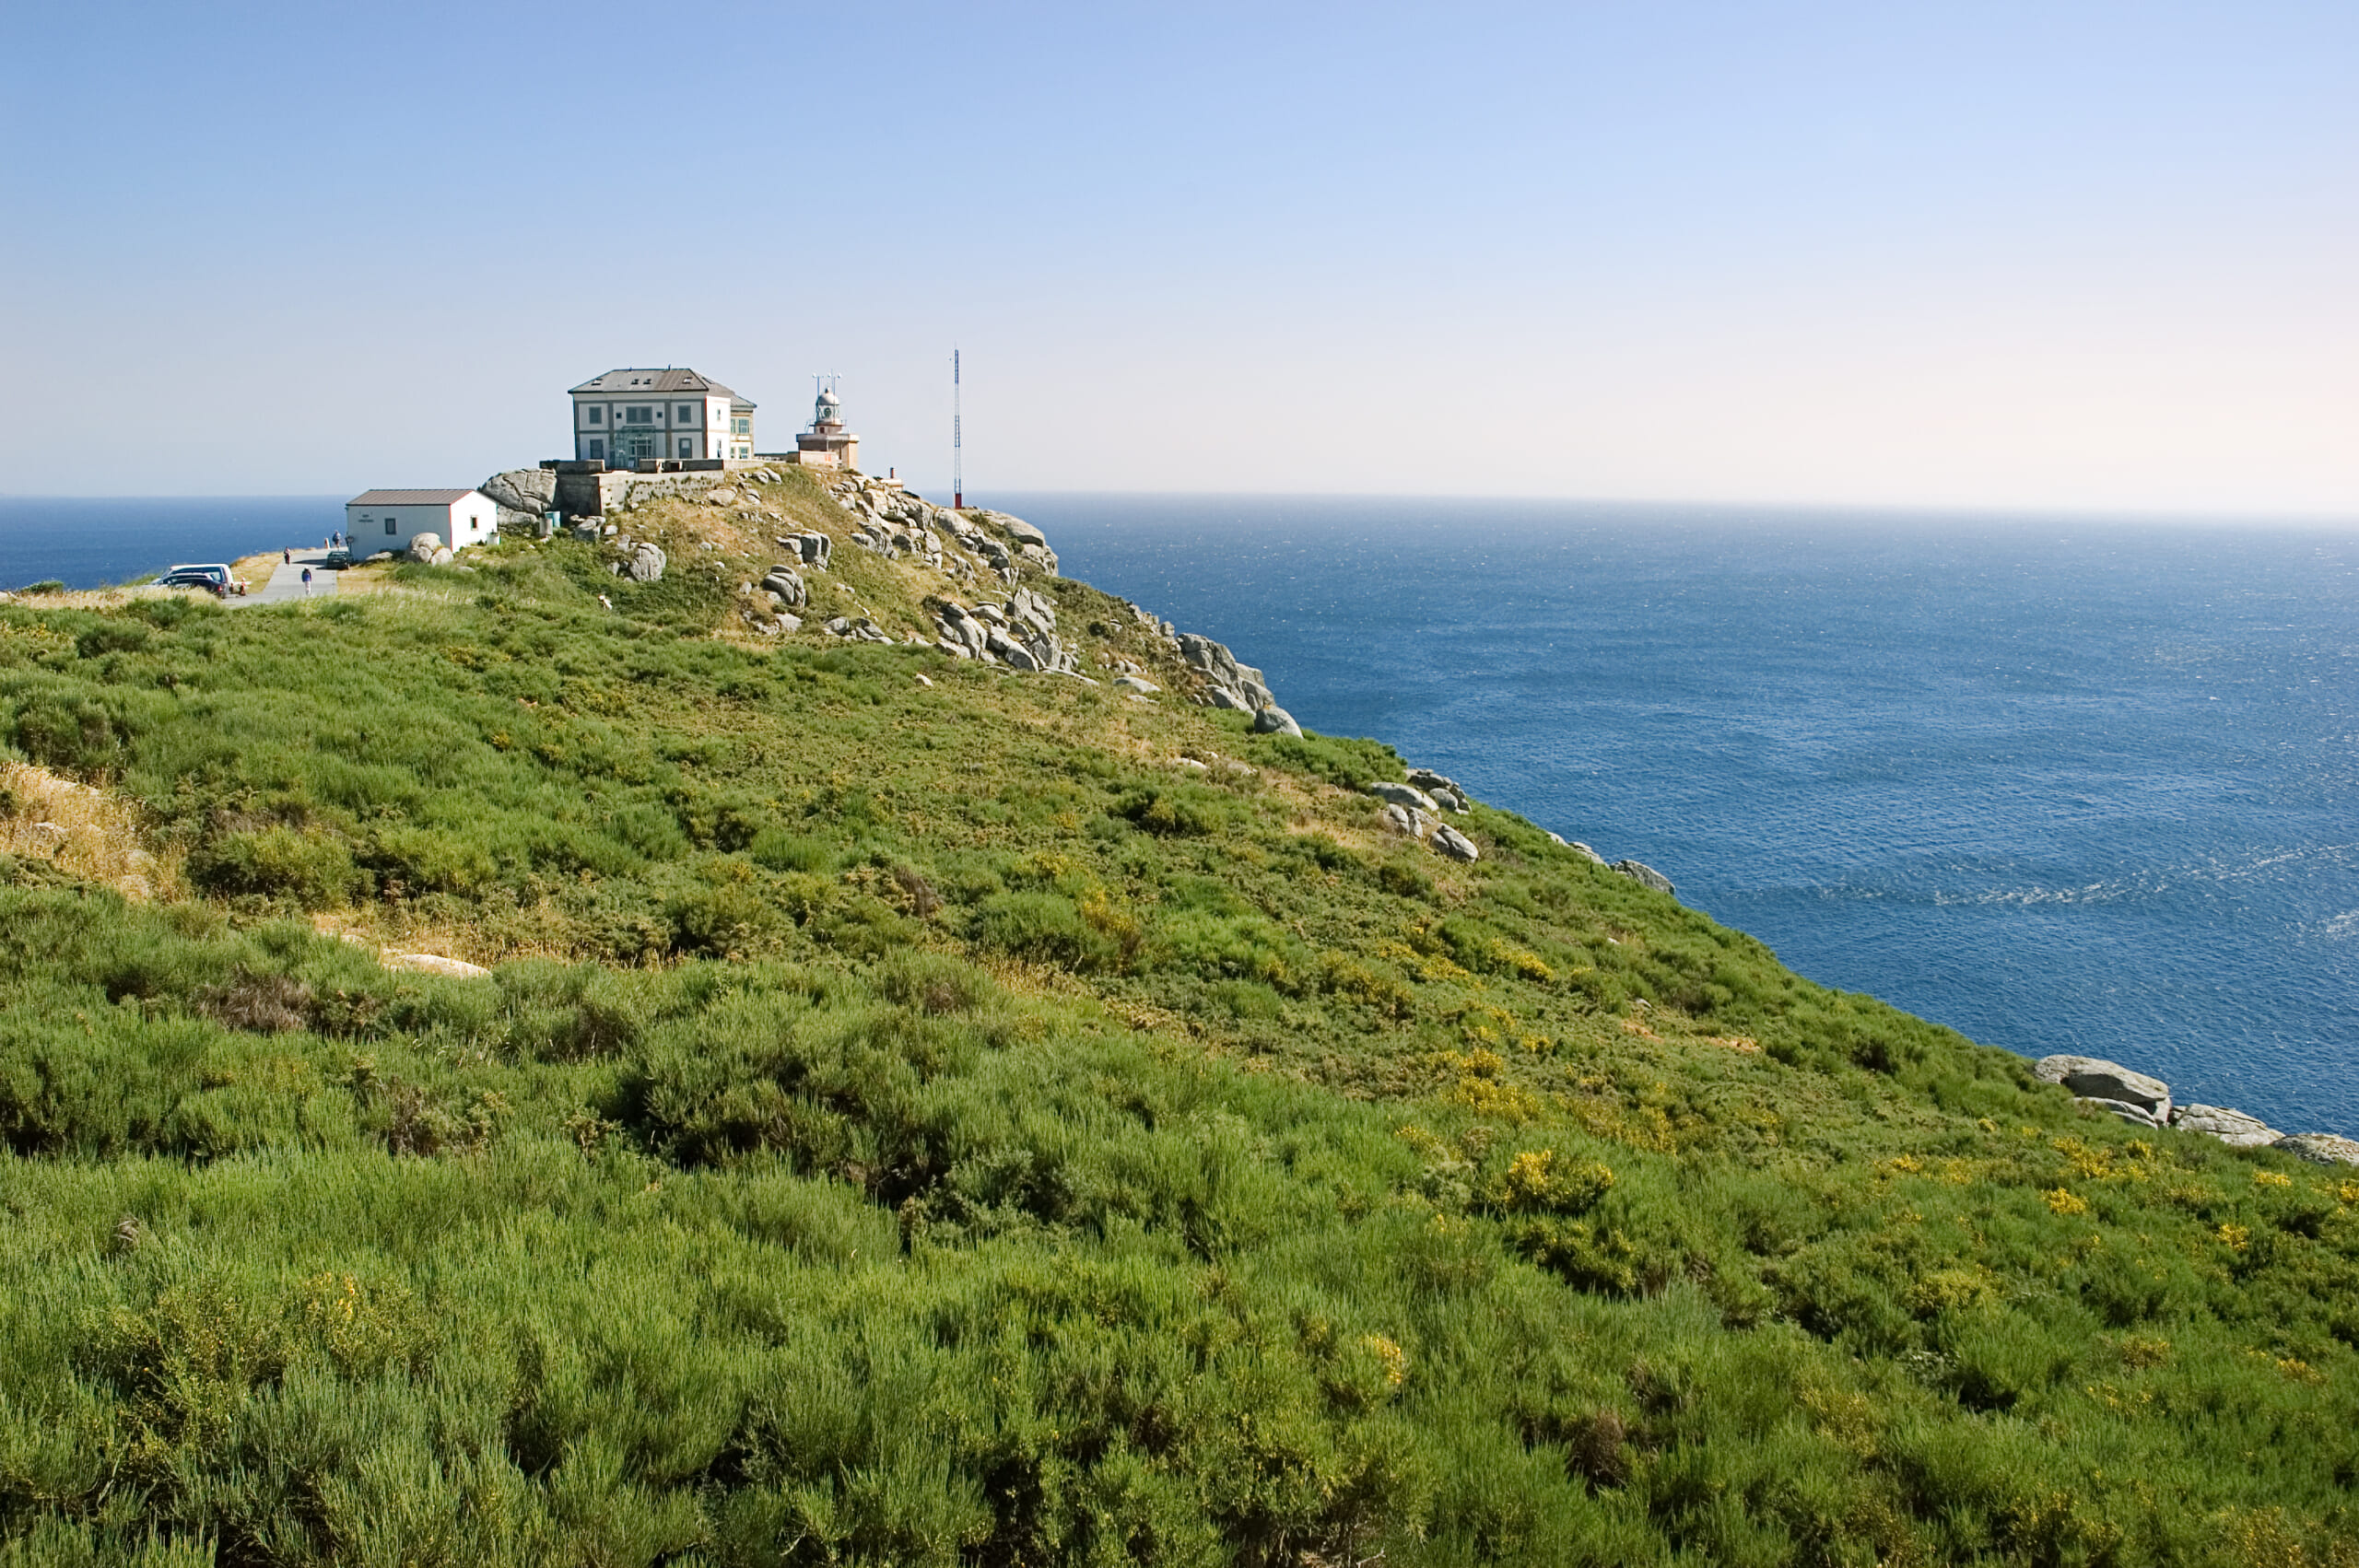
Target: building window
687 414
391 526
741 427
688 447
598 448
639 414
597 415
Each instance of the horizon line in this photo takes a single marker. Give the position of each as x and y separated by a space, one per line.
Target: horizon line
2027 510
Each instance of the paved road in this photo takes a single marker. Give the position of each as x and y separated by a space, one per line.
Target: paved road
286 580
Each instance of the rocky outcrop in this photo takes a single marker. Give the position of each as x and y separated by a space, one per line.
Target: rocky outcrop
811 549
646 563
525 495
2232 1128
1276 722
2093 1078
787 585
2321 1148
1030 544
1645 875
1020 634
2143 1100
894 522
1407 821
1447 840
1407 795
1409 812
2134 1114
428 549
1227 683
859 628
1445 791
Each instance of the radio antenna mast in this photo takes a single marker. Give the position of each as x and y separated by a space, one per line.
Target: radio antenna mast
958 442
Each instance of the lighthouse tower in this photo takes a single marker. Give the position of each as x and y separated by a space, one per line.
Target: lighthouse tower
828 444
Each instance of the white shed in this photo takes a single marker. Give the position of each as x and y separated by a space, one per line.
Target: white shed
389 519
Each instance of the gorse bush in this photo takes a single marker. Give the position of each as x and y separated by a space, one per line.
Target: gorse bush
935 1124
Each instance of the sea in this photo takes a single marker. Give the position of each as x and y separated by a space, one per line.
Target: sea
87 542
2062 783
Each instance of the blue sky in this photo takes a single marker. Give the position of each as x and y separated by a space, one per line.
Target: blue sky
2086 256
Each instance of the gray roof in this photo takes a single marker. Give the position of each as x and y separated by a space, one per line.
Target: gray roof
655 383
408 497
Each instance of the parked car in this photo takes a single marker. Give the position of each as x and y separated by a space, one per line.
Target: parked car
212 575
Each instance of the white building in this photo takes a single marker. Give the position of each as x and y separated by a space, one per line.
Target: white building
389 519
627 416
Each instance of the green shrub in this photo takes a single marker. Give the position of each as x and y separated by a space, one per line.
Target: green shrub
727 920
1175 810
1046 928
74 732
1352 764
784 851
1248 999
1404 880
933 982
306 868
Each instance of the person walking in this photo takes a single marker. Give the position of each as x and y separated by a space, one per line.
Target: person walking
307 582
286 557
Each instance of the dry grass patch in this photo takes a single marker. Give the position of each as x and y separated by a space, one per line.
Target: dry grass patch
92 835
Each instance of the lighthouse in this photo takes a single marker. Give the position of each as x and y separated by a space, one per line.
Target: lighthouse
828 444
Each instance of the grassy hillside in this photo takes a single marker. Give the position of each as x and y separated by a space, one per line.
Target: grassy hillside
988 1118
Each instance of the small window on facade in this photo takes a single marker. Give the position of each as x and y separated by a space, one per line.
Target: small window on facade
391 526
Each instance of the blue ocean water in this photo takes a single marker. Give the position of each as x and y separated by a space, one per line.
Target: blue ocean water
90 542
2063 784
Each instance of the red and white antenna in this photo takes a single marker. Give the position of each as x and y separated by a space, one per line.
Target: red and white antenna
958 442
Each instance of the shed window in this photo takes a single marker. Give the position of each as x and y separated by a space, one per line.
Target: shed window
391 526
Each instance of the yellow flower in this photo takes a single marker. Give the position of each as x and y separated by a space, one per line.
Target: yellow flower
2066 1202
1395 1359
